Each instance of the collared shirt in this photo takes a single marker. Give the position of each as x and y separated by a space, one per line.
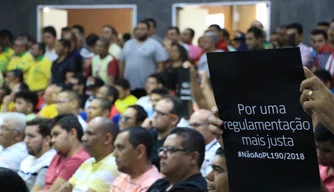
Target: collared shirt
22 62
210 151
328 179
124 183
39 74
306 54
146 103
12 156
96 176
51 54
122 104
104 67
33 170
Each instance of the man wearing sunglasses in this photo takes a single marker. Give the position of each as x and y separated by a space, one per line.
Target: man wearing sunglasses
182 155
134 115
199 122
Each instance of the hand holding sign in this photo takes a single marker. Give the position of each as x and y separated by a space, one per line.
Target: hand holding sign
215 125
316 97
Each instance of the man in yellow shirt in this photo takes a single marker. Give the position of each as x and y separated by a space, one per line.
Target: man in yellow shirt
125 99
39 74
22 58
50 97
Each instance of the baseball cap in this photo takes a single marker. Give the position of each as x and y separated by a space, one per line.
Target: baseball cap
94 82
240 37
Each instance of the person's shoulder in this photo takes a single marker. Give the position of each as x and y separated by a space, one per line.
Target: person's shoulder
158 184
194 183
81 156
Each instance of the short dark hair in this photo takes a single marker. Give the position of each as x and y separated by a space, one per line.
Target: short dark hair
140 136
297 26
112 91
320 32
216 26
323 23
105 41
5 33
91 39
152 21
323 75
73 95
105 103
192 140
177 105
23 86
65 29
220 152
29 37
160 91
11 181
17 73
80 28
51 30
257 32
68 122
66 43
225 33
321 133
27 96
43 125
126 36
123 83
192 32
159 78
144 22
174 28
141 114
81 78
41 46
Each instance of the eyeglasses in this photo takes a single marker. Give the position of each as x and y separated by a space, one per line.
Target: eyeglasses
194 125
169 150
159 113
125 118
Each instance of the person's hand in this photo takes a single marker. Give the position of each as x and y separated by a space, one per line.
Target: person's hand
147 124
67 187
215 125
7 99
316 97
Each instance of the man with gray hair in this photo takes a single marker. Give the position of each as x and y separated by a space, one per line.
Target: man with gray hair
12 126
211 41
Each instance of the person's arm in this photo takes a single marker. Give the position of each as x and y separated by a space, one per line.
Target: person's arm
57 185
207 91
160 67
113 71
160 56
40 180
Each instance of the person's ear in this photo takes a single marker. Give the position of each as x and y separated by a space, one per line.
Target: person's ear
73 133
107 139
106 113
175 119
194 158
141 151
47 140
30 107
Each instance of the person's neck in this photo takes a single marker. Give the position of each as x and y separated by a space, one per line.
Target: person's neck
139 170
209 140
176 64
62 58
102 56
104 153
179 177
51 47
76 147
141 40
44 150
162 135
76 112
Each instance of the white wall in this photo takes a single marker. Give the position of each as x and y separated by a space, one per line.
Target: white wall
56 18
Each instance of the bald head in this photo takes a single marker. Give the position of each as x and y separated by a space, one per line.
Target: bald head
105 125
201 114
199 121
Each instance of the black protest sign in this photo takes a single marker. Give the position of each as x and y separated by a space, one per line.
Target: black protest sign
184 90
268 138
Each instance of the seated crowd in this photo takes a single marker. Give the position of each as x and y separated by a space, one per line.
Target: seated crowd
99 113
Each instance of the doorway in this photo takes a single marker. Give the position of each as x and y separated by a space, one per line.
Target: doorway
232 16
91 17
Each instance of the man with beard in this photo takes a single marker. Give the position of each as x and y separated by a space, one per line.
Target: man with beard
141 57
97 173
38 139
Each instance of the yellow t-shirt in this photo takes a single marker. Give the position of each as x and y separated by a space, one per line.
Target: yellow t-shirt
49 111
3 62
39 74
95 176
121 105
22 62
9 52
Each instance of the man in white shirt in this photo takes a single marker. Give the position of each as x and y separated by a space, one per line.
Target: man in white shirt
199 121
69 103
34 167
295 37
110 33
12 127
49 38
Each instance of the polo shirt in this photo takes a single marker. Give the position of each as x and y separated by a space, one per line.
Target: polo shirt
31 116
104 67
12 156
122 104
97 176
9 52
124 183
33 170
22 62
49 111
39 74
328 179
64 167
195 183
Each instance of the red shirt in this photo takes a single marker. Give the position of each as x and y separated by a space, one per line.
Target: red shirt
222 45
327 179
64 167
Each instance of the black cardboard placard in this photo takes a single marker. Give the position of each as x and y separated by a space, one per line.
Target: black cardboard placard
268 138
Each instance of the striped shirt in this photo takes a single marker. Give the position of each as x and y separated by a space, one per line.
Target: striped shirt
95 176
